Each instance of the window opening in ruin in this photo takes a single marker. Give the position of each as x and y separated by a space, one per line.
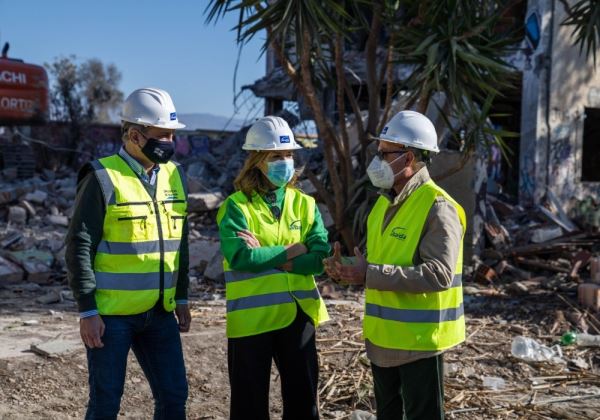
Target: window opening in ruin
590 170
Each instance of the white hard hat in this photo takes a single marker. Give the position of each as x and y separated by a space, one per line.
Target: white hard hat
151 107
411 129
270 133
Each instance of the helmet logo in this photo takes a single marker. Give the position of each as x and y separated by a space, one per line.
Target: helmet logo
173 116
284 139
384 130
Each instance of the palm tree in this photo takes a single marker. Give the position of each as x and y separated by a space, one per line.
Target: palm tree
584 16
452 46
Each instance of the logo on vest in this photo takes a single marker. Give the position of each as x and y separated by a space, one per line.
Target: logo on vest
296 225
398 233
170 194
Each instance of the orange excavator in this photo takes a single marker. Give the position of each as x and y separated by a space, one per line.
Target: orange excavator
23 92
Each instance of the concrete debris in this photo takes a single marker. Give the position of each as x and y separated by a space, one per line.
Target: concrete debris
58 220
202 253
214 270
55 348
546 234
198 202
67 295
37 197
518 288
31 322
50 297
10 239
362 415
533 249
27 206
10 273
37 264
17 215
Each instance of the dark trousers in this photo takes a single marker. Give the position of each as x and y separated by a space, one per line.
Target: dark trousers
414 391
249 360
154 337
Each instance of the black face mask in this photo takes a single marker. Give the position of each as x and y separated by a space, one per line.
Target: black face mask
158 151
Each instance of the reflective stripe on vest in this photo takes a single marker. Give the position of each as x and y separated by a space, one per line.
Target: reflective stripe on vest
139 251
267 301
411 321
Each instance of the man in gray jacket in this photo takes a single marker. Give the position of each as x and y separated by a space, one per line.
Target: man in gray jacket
412 273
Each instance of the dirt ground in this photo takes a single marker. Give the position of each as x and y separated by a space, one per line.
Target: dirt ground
36 387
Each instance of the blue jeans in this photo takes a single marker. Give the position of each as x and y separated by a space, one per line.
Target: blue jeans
154 337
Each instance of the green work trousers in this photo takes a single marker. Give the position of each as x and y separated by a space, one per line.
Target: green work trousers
414 391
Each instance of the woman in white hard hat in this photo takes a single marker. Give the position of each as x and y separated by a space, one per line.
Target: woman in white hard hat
273 241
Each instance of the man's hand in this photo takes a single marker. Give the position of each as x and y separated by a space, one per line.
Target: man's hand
353 274
249 238
91 330
329 263
184 317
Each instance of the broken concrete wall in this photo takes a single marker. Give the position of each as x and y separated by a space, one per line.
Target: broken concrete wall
574 85
99 140
558 84
533 165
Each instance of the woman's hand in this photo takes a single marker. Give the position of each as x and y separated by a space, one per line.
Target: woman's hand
249 238
295 250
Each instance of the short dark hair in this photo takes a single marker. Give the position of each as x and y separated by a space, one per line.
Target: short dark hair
421 155
126 125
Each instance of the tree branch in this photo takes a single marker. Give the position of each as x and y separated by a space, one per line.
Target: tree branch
341 82
371 59
389 87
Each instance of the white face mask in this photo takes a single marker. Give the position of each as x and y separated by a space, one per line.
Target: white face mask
381 174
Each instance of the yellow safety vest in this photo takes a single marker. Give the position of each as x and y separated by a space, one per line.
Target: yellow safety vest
266 301
411 321
138 256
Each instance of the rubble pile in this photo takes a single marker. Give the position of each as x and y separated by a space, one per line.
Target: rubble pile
34 215
538 248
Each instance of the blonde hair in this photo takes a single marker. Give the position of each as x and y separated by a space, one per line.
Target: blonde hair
251 179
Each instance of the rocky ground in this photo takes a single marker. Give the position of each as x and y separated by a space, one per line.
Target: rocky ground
524 284
483 379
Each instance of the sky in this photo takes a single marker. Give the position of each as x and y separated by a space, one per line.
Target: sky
164 44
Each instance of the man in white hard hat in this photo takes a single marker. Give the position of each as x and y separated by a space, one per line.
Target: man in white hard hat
412 273
127 260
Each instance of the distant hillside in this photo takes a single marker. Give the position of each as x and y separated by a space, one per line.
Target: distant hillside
210 122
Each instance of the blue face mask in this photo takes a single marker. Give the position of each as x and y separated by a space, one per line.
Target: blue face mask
279 172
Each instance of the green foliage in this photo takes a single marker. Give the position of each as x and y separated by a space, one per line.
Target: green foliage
584 16
456 49
83 92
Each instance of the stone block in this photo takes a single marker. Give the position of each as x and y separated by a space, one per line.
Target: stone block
37 197
10 273
58 220
17 215
204 201
202 252
214 270
36 264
